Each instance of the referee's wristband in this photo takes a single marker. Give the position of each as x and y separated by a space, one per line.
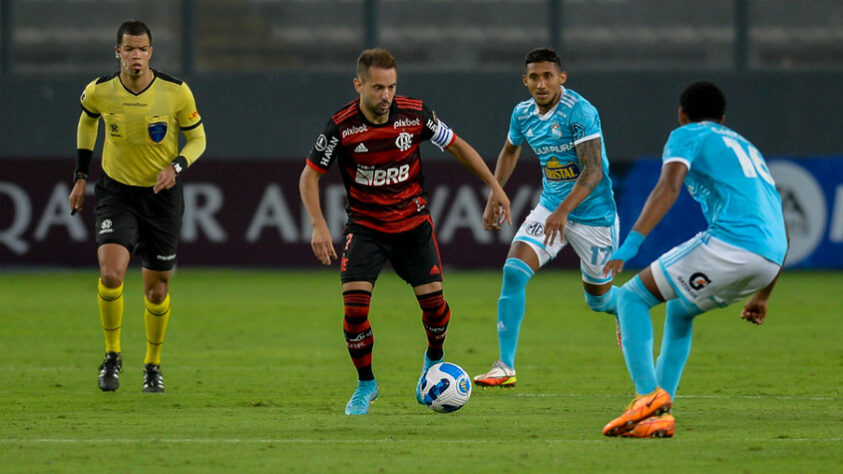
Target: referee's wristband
179 164
630 246
83 164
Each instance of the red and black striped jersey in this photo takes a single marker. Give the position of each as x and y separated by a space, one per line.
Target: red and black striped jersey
380 163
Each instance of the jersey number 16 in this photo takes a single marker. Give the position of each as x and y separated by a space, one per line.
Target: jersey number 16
752 164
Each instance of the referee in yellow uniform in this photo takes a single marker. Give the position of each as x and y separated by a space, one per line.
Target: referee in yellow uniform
139 195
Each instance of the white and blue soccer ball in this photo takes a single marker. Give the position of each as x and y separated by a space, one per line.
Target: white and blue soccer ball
446 387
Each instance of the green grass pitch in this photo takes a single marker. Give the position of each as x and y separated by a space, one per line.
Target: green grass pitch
257 377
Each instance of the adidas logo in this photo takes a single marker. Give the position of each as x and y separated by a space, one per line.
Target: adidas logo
361 148
435 270
529 133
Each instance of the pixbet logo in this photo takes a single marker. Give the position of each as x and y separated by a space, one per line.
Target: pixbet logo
406 123
353 130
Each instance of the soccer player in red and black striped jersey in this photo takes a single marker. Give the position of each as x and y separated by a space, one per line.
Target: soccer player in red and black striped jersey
375 142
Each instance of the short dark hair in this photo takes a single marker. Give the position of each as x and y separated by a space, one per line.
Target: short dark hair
703 100
541 55
133 28
376 57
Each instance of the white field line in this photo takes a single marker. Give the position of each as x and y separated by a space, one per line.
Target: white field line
381 441
712 397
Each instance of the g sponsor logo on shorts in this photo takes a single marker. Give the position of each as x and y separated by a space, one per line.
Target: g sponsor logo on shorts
698 280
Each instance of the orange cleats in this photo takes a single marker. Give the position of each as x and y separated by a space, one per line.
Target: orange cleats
501 375
641 408
654 427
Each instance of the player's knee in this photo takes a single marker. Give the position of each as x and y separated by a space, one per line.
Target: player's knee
111 279
157 293
516 273
600 304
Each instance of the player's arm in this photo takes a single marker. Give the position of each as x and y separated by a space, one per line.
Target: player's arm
659 201
755 309
195 142
321 241
507 159
468 157
590 155
86 138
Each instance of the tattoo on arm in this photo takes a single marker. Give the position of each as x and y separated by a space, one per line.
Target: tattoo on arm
590 154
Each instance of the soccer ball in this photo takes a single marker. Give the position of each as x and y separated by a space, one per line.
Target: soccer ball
446 387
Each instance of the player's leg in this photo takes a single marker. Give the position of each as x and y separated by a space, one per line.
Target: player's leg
594 245
701 275
113 261
635 299
526 255
676 343
159 227
156 316
361 262
116 233
414 255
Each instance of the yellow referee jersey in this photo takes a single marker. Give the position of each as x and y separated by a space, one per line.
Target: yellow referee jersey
141 130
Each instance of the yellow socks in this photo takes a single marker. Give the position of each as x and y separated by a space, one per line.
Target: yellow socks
155 319
111 314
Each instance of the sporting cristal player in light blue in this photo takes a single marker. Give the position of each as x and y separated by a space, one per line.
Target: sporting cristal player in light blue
740 254
576 205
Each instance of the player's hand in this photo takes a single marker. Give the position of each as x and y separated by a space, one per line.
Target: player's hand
166 179
499 202
755 310
323 245
77 196
493 215
613 268
554 227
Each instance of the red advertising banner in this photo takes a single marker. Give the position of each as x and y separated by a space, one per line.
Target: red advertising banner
247 214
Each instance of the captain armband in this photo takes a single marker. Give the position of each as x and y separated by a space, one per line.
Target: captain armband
443 137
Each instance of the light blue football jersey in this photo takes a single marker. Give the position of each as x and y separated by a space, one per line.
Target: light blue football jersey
730 180
553 137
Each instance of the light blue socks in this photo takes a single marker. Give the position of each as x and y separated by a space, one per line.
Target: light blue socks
676 343
511 305
605 303
634 303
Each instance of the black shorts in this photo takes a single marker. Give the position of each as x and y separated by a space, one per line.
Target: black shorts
146 223
414 254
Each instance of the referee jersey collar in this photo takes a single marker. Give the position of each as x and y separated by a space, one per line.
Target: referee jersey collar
154 77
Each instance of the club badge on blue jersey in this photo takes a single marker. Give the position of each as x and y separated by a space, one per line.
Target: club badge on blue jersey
157 131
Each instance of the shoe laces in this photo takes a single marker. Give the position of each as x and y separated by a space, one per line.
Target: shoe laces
111 364
152 375
362 395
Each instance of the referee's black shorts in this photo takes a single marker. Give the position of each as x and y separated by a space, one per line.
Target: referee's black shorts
414 254
147 224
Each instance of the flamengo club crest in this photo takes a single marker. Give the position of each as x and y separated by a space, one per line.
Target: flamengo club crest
404 141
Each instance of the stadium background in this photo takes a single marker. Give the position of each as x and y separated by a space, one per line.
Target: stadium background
267 75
